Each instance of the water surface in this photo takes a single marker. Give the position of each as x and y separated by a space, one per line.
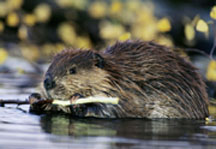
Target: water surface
20 129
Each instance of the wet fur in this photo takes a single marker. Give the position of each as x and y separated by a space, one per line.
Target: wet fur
150 80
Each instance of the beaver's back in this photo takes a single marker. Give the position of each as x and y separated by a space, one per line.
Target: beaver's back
156 80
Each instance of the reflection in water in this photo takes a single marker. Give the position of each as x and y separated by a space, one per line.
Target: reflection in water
130 128
60 125
24 130
128 132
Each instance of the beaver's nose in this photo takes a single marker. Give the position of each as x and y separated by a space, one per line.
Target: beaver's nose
49 83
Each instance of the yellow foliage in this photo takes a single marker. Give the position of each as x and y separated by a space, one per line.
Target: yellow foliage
23 32
111 31
213 13
67 33
145 24
30 52
189 32
133 5
29 19
145 16
49 49
165 40
98 9
12 19
212 110
80 4
116 7
125 36
1 26
14 4
83 42
59 46
42 12
195 20
3 9
3 55
164 25
146 32
211 71
202 26
64 3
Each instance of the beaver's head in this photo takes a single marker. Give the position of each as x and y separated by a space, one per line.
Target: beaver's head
76 72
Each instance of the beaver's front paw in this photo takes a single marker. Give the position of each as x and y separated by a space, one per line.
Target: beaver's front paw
38 104
34 97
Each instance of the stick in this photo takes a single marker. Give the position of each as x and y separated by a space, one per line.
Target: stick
91 99
19 102
12 101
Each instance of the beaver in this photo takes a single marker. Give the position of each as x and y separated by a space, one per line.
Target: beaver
150 80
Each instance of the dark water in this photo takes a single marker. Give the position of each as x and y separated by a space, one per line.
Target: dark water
21 130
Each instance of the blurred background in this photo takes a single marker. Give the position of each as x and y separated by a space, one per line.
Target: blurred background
31 32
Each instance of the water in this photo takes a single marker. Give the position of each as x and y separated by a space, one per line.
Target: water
20 129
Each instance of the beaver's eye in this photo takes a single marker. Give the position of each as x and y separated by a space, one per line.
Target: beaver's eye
72 70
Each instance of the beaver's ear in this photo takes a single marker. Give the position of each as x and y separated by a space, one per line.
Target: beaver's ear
99 60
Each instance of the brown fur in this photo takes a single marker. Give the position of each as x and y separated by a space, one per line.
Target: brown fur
150 80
